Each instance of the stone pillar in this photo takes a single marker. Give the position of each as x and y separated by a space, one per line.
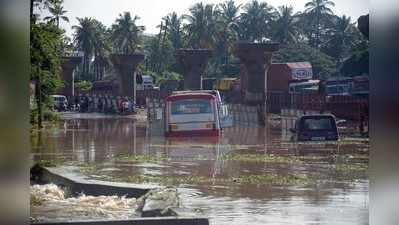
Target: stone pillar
256 58
68 65
126 66
193 62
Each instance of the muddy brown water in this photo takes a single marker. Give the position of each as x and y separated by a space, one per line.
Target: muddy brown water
324 183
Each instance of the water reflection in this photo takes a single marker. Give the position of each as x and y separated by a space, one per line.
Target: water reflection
339 196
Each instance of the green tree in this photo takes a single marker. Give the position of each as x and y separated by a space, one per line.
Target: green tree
173 27
255 21
323 65
286 29
40 5
358 63
126 33
317 14
102 49
227 30
85 41
57 12
343 38
45 54
201 27
159 59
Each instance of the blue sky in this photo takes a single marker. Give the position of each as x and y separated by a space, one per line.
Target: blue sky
151 11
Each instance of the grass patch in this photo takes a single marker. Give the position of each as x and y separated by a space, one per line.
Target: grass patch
283 180
142 158
265 179
261 158
350 168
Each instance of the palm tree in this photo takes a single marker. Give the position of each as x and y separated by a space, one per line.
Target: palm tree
41 4
126 34
286 26
84 39
173 25
227 29
58 13
201 27
317 11
101 50
343 37
255 21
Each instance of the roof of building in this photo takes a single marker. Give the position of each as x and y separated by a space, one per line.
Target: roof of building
299 65
294 65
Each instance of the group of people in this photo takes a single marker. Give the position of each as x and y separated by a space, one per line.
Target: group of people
104 104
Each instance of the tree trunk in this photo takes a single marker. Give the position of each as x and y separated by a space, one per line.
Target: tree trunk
317 30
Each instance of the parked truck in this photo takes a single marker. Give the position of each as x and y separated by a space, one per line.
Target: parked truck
293 77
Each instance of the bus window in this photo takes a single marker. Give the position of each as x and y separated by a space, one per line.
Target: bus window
192 106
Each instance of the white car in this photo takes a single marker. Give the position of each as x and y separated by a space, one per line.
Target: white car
147 84
60 102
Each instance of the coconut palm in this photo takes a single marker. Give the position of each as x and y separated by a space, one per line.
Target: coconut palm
318 12
101 50
256 20
84 39
201 27
173 28
286 28
343 37
41 4
227 29
126 34
57 12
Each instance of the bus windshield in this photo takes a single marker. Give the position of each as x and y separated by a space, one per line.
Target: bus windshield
191 106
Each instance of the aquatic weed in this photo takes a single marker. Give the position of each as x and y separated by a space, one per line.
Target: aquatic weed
142 158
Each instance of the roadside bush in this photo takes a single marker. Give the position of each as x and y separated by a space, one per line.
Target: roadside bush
50 116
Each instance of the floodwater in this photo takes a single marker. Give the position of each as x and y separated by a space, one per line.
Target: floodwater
50 202
250 175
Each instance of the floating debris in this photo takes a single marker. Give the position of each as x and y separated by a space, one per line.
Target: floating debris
52 200
159 202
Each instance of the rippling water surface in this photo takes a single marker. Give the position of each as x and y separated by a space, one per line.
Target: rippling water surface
249 175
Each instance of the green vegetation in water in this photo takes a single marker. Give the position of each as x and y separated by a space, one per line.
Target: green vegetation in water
87 169
142 158
289 179
351 168
349 141
265 179
261 158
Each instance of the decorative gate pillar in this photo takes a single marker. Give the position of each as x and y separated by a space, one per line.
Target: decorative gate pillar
256 58
68 65
126 66
193 62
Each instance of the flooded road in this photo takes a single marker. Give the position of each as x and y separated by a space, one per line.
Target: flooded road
249 175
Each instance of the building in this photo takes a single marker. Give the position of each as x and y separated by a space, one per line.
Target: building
281 75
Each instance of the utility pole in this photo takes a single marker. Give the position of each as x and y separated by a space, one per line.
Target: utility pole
39 103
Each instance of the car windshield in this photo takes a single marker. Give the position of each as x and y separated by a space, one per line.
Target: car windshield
318 124
59 99
191 106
